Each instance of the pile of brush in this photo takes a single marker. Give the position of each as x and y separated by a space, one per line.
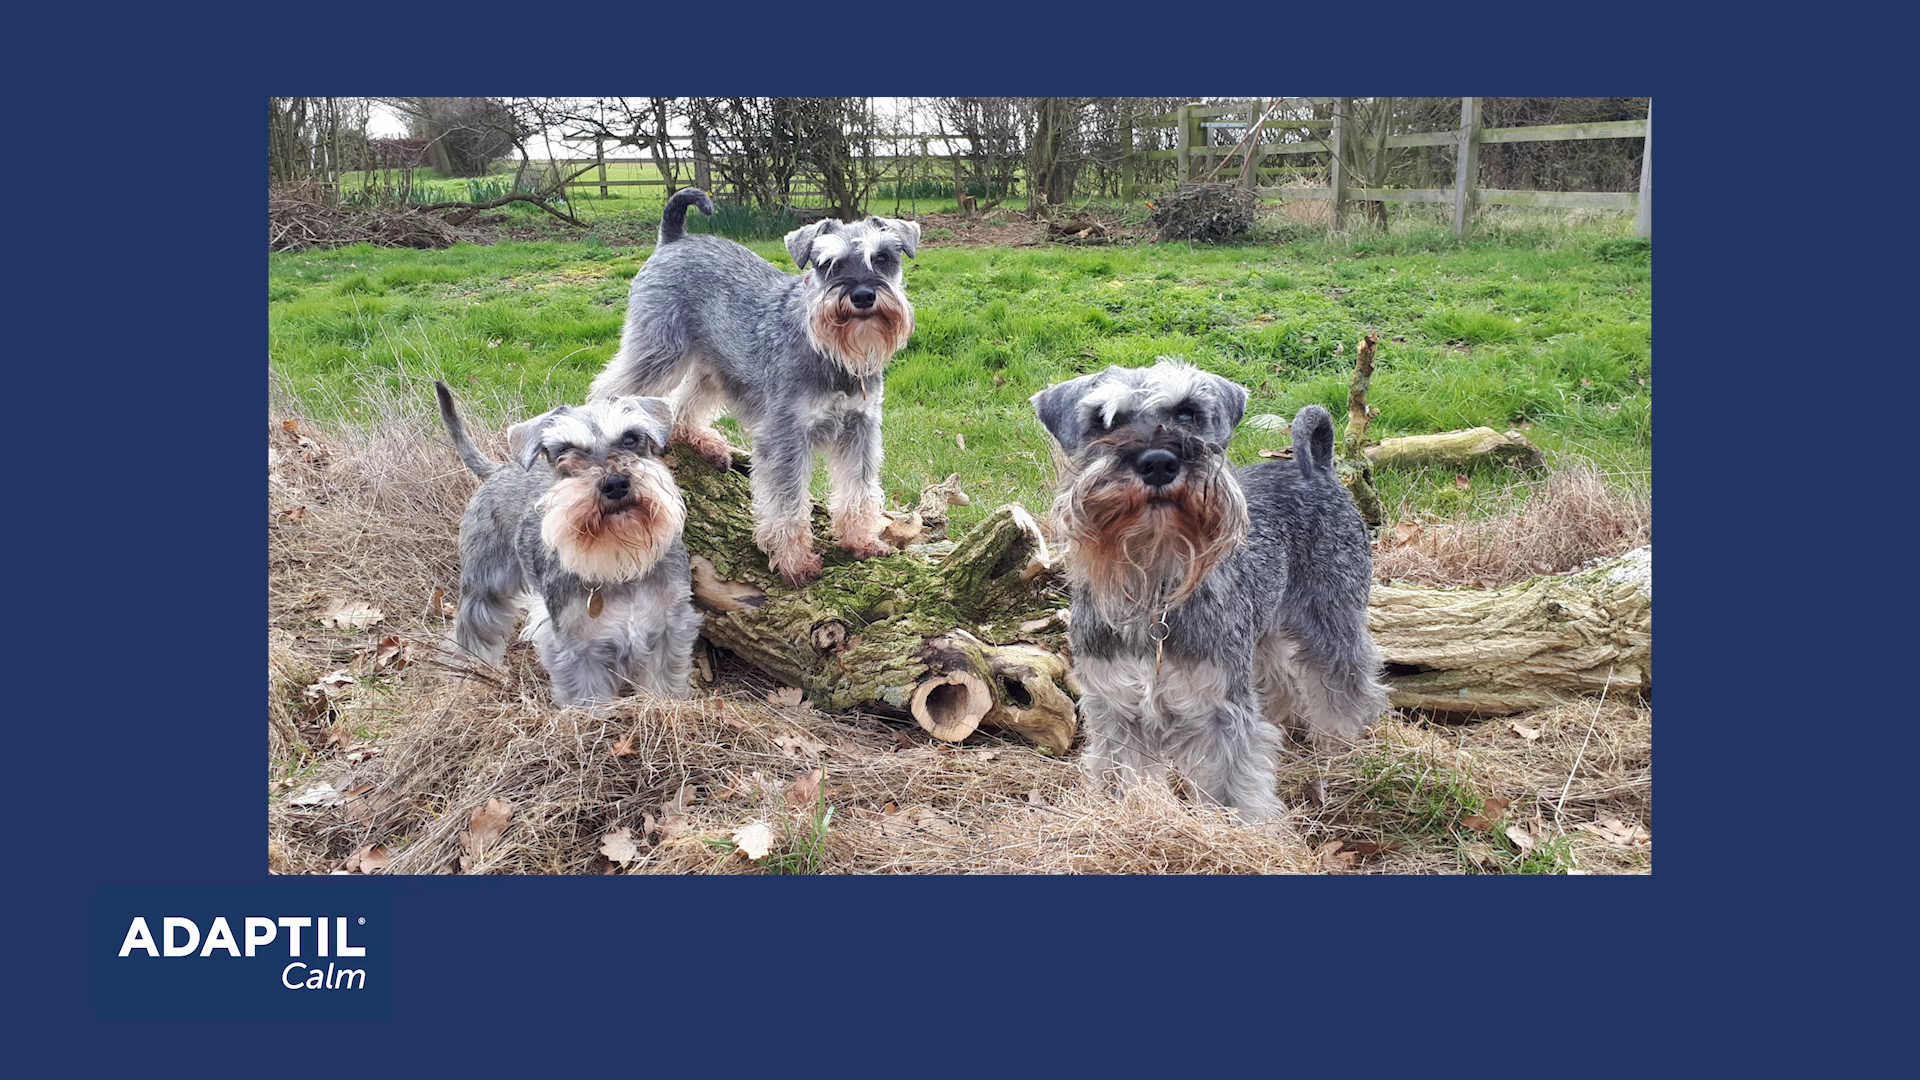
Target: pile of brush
303 216
1210 213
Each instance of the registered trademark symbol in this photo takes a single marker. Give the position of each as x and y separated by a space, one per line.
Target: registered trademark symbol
363 920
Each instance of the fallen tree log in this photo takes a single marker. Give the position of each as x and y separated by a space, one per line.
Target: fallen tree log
1457 450
954 637
960 636
1488 652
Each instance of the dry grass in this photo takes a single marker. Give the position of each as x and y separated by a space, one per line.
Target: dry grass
412 750
1569 519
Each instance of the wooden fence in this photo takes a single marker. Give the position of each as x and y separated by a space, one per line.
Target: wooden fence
1196 159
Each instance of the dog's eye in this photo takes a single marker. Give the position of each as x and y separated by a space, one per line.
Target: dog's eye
630 440
1184 416
825 267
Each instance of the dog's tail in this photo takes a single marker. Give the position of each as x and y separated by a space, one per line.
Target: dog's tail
673 220
482 465
1313 441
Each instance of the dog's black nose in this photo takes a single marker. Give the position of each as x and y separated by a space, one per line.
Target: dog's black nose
862 297
614 486
1157 468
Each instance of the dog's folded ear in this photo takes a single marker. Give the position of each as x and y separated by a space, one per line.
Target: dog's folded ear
653 415
1233 402
1061 413
525 440
800 241
907 231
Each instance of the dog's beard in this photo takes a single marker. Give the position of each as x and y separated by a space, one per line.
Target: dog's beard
861 344
603 547
1135 551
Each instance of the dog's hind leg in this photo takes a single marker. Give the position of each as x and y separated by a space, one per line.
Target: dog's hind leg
696 401
652 358
1329 695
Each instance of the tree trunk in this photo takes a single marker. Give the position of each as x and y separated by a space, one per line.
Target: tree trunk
1457 450
1489 652
959 636
955 636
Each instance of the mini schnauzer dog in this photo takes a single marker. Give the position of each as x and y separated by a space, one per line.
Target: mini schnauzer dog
1211 606
589 547
797 360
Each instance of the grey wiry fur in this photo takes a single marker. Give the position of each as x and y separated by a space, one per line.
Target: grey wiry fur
797 360
540 538
1274 628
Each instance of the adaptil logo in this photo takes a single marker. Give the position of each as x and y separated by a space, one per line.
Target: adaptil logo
328 939
293 950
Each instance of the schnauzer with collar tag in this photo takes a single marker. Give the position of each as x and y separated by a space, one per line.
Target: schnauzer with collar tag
588 545
1212 606
797 360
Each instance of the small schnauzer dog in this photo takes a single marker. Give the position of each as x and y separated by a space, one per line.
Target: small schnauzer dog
1212 606
589 547
797 360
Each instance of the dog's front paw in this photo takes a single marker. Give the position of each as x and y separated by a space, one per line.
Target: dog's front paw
867 549
796 567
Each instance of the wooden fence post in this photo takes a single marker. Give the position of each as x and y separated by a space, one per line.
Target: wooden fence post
1127 189
1466 170
600 155
1184 147
1337 169
1643 219
1250 161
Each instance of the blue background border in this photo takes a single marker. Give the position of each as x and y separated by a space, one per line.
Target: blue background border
144 742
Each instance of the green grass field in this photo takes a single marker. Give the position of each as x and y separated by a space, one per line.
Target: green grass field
1537 323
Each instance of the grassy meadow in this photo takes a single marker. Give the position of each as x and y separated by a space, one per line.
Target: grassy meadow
1541 323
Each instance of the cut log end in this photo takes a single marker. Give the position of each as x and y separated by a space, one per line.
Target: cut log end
950 706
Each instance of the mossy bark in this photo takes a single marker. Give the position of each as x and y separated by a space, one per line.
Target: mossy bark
1457 450
972 636
954 640
1490 652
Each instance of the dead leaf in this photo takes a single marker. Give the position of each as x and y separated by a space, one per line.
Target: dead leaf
1521 838
755 841
348 614
289 426
1318 792
1034 798
1332 856
1528 733
960 439
1476 821
293 515
331 687
321 794
483 828
1283 452
618 846
1615 831
804 792
786 697
438 608
1496 808
368 860
1463 482
622 747
800 745
1406 532
902 741
392 654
